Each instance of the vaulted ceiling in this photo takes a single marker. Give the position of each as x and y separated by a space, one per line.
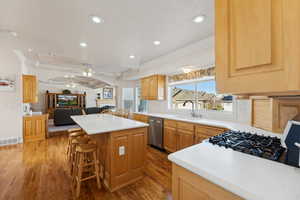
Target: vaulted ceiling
53 29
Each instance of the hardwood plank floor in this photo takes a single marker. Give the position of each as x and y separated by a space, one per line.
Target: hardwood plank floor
39 171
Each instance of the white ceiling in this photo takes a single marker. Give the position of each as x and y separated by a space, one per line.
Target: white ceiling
58 26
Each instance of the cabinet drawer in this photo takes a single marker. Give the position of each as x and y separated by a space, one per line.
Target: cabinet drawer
185 126
208 130
170 123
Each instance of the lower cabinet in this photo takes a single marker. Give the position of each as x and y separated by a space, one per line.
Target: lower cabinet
35 127
186 138
179 135
170 139
189 186
204 132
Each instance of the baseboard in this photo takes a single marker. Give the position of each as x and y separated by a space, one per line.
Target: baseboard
10 141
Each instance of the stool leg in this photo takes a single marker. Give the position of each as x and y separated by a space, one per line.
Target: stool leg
97 169
79 175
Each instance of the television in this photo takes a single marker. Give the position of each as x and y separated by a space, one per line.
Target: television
63 100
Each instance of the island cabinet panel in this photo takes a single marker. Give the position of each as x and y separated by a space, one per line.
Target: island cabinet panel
30 92
122 156
120 162
255 46
187 185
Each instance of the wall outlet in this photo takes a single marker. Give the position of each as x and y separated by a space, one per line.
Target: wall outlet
121 150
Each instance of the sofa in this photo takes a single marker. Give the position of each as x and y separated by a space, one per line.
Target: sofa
62 116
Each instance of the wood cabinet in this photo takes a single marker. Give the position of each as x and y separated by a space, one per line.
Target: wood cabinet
30 91
170 139
153 87
178 135
122 156
204 132
189 186
35 127
256 51
140 117
272 114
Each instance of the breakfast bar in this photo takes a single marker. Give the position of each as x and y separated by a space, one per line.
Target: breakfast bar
121 147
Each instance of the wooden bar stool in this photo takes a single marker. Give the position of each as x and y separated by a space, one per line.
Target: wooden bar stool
87 165
74 142
72 130
73 135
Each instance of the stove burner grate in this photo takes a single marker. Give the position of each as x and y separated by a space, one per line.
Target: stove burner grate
253 144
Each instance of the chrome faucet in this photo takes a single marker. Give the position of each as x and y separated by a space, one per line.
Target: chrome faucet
193 113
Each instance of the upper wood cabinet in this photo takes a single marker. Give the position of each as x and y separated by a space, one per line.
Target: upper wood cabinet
30 89
153 87
257 46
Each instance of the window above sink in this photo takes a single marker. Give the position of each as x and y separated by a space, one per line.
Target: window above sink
202 93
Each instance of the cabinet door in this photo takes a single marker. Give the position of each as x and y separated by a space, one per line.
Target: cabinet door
144 88
29 89
249 47
186 138
34 128
138 149
170 139
153 88
201 137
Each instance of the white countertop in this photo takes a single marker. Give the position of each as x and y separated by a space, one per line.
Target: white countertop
103 123
250 177
217 123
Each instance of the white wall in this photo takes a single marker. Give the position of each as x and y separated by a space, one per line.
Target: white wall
10 102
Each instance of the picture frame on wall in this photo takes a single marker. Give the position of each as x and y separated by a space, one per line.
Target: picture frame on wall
108 93
7 83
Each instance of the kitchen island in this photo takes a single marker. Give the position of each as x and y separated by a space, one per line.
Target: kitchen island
121 147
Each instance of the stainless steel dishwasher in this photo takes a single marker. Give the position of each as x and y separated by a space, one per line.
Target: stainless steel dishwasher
156 132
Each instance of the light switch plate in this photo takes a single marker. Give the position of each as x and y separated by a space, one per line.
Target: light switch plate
121 150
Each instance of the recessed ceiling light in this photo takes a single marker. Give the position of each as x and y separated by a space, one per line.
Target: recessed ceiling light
156 42
131 56
13 33
83 44
96 19
199 19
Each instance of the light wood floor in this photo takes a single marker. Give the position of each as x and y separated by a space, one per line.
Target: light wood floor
38 171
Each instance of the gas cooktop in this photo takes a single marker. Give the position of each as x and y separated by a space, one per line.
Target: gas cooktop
253 144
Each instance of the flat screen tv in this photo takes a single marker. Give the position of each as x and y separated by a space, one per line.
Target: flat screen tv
66 100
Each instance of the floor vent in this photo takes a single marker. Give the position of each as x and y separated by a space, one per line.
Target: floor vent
11 140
